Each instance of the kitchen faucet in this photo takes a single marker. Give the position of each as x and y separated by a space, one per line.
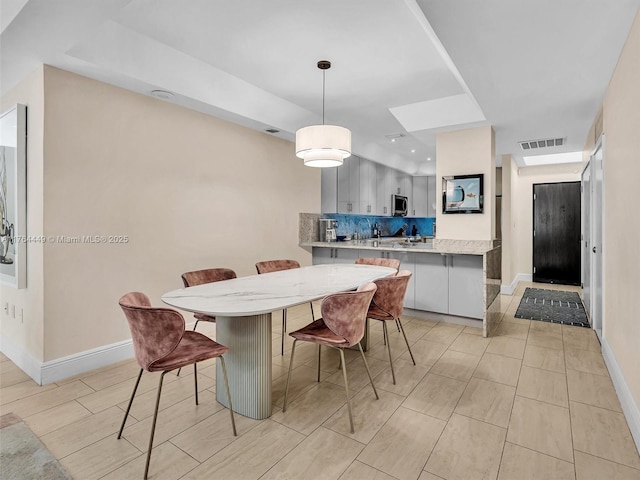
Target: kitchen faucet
361 236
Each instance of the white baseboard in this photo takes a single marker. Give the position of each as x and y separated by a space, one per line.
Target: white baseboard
23 359
521 277
71 365
629 405
44 373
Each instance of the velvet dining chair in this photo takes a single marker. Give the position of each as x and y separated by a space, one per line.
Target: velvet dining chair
386 305
161 344
269 266
380 262
341 326
200 277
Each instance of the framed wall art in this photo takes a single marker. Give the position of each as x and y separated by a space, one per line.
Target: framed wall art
462 194
13 197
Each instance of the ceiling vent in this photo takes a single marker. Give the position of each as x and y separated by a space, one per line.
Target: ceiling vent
394 136
546 143
272 130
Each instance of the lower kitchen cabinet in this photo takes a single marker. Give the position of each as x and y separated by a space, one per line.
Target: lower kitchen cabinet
322 255
432 283
466 286
452 284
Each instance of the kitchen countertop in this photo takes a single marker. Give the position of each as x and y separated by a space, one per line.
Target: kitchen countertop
465 247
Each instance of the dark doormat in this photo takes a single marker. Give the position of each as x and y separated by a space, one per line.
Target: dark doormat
554 306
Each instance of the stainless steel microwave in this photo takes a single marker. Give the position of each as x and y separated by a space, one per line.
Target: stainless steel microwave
399 205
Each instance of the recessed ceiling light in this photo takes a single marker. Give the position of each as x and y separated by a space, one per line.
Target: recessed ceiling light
393 140
428 159
413 150
162 94
553 159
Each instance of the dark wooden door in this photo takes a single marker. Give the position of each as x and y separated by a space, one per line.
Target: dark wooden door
556 233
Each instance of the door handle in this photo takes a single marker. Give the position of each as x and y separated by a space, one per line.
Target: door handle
594 249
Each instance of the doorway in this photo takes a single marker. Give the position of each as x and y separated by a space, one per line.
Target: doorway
556 233
596 229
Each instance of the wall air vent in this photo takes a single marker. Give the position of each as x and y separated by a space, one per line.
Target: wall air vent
529 145
272 130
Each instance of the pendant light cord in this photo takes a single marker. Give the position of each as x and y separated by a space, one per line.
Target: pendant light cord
324 72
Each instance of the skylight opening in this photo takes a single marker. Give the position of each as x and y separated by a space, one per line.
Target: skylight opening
552 159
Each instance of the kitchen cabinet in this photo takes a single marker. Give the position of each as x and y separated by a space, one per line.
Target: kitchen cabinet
431 196
420 197
424 196
349 185
451 284
368 187
323 256
329 190
386 182
432 283
466 286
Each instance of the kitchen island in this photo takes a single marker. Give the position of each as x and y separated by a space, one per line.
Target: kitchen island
453 280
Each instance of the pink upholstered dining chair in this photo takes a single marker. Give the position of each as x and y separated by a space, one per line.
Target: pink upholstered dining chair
380 262
199 277
269 266
341 326
387 306
161 344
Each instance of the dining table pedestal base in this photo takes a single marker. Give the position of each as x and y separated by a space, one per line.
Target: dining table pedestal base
248 363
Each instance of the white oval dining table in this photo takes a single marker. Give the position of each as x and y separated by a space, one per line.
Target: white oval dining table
243 307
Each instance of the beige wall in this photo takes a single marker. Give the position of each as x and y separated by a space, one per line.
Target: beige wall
621 253
522 213
188 190
27 332
465 152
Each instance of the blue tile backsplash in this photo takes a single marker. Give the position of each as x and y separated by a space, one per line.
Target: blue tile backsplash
348 224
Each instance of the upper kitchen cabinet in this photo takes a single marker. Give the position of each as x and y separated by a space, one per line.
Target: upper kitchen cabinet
424 197
349 185
368 186
329 190
386 178
420 197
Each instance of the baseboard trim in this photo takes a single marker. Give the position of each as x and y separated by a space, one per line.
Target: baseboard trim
521 277
23 359
629 405
71 365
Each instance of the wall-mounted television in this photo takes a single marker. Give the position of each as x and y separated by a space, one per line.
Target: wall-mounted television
462 193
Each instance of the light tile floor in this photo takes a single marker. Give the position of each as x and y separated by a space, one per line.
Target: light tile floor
534 402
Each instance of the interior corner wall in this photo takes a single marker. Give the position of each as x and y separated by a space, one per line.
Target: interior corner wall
465 152
621 229
522 214
22 336
138 190
507 243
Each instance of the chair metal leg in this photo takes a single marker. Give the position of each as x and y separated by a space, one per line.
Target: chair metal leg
346 389
194 329
226 384
319 347
393 374
366 365
405 340
313 317
286 390
384 334
398 323
195 379
133 394
284 329
153 425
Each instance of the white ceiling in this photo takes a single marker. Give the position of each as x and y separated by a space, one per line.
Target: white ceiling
532 69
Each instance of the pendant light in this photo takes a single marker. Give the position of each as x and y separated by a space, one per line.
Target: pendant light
323 145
